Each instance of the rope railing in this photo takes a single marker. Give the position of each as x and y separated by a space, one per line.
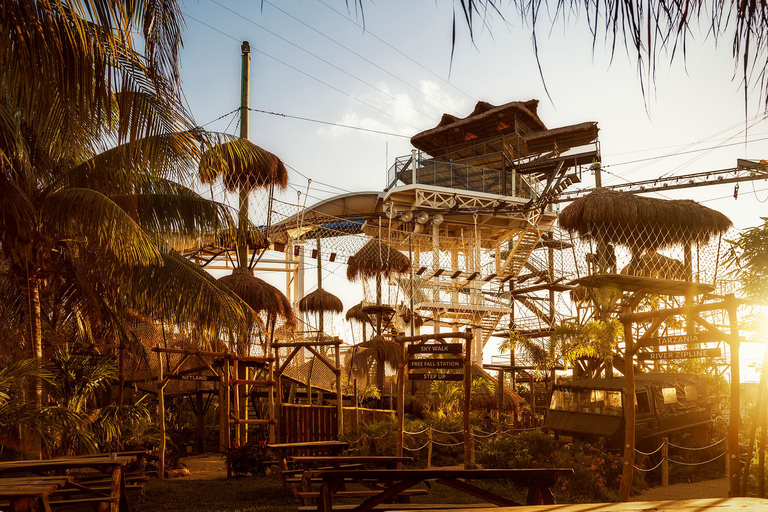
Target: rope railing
697 463
695 449
422 431
416 449
650 453
649 469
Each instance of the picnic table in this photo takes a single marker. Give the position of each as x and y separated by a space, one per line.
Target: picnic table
393 482
103 463
696 505
336 461
284 452
30 493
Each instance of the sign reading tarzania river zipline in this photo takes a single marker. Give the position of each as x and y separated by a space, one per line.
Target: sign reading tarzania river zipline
436 348
436 363
680 354
682 339
436 376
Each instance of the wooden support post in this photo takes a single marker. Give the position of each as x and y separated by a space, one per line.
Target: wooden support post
278 395
200 415
227 414
271 388
236 399
161 417
664 461
629 414
357 409
734 470
500 396
429 447
467 401
339 396
223 417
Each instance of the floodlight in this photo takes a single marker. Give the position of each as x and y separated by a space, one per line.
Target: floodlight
406 216
437 219
422 218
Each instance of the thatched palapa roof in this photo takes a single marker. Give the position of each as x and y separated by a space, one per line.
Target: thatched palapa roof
241 163
261 296
642 222
320 301
656 265
378 349
376 258
356 314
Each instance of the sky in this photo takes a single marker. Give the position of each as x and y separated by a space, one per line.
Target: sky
397 75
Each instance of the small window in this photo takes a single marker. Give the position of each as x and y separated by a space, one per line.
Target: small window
670 395
691 393
642 405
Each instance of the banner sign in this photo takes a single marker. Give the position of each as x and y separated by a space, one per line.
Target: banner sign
454 364
683 339
680 354
437 348
194 378
436 376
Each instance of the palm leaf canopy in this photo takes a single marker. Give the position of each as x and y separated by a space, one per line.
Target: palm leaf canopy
642 222
378 349
320 301
376 258
261 296
241 163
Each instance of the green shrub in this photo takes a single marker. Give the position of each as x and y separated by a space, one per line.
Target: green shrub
249 459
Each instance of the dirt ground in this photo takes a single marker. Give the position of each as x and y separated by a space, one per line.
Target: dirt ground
707 489
208 466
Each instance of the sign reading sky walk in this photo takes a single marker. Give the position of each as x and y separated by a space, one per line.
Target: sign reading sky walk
680 354
437 348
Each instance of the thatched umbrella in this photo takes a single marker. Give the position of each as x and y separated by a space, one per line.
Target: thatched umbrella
261 296
355 314
320 301
374 260
641 223
241 163
378 350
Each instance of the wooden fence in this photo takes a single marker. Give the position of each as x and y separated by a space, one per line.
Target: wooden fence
301 423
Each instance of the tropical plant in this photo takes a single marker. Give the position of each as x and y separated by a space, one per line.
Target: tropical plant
747 258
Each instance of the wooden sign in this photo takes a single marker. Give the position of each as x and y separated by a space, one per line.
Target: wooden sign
680 354
683 339
194 378
436 348
454 364
436 376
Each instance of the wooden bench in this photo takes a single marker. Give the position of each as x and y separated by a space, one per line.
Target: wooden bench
363 493
30 493
406 507
393 482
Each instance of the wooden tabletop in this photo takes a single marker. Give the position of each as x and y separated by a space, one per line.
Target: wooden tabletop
35 486
350 459
308 445
94 461
541 475
714 505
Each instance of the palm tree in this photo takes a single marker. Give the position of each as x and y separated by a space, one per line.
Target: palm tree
93 147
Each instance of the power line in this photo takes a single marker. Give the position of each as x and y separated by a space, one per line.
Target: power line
395 98
362 57
398 51
329 123
303 73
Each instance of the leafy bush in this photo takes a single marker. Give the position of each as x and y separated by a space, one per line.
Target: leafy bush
596 476
249 459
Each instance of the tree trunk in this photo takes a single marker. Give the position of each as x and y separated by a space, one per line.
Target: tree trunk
32 443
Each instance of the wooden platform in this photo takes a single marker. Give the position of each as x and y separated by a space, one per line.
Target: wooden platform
716 505
641 284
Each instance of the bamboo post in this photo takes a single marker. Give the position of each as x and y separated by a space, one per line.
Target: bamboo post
429 447
467 400
664 461
357 409
339 396
401 398
161 416
629 414
271 388
223 417
200 416
733 421
236 398
227 414
278 395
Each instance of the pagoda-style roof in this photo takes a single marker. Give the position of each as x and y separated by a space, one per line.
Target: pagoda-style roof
485 122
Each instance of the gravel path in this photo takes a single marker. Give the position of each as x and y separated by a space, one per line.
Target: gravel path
707 489
208 466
